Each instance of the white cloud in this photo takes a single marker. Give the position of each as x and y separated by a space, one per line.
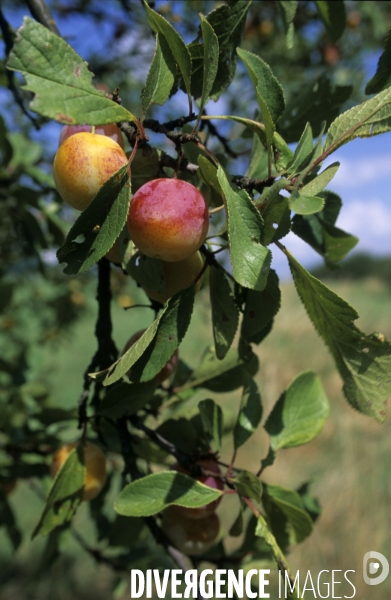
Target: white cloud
369 220
362 171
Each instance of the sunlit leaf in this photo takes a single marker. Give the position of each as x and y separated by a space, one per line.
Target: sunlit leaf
60 79
153 493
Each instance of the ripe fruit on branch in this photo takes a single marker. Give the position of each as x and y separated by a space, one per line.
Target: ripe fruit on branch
168 219
95 463
111 131
216 483
168 369
83 163
113 254
189 536
178 276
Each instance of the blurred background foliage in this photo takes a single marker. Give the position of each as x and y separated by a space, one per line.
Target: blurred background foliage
47 319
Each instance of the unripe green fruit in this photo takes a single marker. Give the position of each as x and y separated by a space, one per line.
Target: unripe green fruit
189 536
95 463
168 219
83 163
178 276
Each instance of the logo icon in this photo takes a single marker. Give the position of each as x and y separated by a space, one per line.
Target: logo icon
375 559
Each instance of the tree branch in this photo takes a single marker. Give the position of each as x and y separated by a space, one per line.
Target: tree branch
107 352
41 13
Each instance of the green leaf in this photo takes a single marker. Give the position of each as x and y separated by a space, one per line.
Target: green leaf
269 91
382 78
276 215
248 485
60 79
270 194
250 413
302 152
148 272
211 53
262 530
316 102
364 362
258 166
223 375
225 313
329 241
237 527
176 44
290 504
310 504
158 343
288 10
305 205
227 21
65 494
269 459
364 120
320 232
127 399
160 79
320 182
260 309
299 414
208 174
333 15
212 420
100 223
332 207
250 260
152 494
282 149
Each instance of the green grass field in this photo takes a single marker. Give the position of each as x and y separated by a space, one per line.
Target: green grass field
348 465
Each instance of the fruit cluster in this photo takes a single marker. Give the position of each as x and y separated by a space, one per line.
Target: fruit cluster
194 530
168 218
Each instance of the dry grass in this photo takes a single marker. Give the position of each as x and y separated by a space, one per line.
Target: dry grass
349 463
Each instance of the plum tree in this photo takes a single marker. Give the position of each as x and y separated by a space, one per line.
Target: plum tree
95 463
188 535
111 130
178 276
84 161
168 368
168 219
245 171
209 466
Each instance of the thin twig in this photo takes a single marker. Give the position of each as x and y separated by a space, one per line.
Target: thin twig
41 12
223 140
107 352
